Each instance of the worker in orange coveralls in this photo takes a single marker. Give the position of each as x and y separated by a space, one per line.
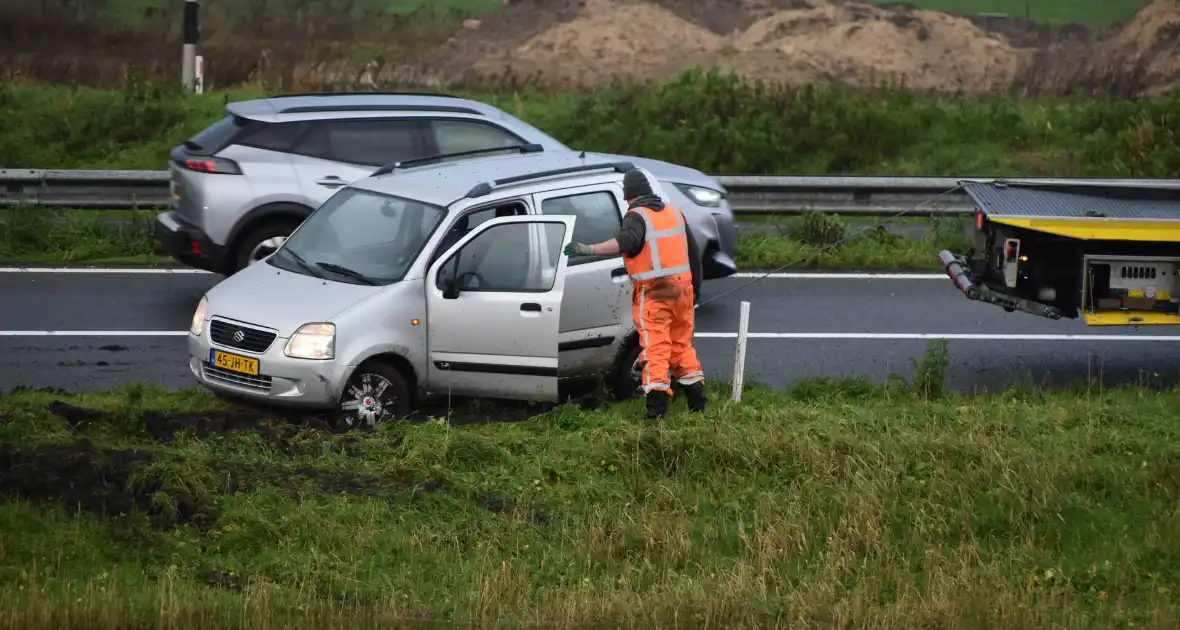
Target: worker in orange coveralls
660 257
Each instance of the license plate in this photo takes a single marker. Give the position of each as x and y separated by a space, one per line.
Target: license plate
233 362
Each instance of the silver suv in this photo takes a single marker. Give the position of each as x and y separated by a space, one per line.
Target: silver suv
242 185
431 279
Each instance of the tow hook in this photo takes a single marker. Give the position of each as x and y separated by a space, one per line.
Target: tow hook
957 272
953 267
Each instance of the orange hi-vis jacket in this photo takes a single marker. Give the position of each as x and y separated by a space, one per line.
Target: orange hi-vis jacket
665 248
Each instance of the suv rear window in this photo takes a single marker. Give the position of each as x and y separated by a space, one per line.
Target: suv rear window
273 136
216 136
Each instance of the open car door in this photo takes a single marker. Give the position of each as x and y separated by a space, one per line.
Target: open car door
493 304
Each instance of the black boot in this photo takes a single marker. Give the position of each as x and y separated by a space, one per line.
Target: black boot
695 395
657 404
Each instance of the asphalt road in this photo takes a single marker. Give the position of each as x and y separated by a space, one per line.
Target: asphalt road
124 327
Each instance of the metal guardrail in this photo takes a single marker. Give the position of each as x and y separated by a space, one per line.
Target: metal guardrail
749 195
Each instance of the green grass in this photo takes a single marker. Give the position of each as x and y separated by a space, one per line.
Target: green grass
829 505
1053 12
35 236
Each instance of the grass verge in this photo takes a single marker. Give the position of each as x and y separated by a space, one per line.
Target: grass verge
37 236
844 505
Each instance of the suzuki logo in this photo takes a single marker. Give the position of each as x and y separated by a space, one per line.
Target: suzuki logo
239 336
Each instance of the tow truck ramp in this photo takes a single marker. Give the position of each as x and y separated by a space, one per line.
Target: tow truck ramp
1108 251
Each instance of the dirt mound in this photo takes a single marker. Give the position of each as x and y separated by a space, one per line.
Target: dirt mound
1148 47
861 45
589 43
789 40
1139 58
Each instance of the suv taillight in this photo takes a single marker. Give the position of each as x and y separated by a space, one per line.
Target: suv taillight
215 166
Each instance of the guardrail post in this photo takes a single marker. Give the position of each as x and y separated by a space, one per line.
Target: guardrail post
192 33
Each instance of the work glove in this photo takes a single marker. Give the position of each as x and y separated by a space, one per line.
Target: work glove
578 249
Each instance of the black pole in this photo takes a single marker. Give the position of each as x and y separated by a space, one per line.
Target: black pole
191 34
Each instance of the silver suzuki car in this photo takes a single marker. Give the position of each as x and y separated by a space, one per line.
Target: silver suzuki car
431 279
242 185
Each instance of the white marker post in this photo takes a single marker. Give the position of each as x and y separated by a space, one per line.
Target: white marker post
199 79
739 360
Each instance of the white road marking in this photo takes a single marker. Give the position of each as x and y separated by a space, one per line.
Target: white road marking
744 274
839 276
947 336
699 335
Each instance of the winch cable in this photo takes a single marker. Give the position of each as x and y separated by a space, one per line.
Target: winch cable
829 246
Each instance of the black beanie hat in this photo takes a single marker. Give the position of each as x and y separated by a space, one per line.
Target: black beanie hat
635 184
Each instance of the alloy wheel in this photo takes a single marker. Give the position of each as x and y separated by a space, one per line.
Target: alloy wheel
265 248
368 401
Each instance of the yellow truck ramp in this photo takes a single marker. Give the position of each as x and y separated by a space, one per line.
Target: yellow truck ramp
1109 252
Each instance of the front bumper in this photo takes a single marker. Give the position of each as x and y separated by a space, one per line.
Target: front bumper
281 380
187 243
719 253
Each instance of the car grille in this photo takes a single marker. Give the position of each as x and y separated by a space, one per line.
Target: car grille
252 339
214 373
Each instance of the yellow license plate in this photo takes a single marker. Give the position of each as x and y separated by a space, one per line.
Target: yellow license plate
233 362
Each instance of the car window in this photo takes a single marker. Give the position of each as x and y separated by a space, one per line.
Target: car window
468 222
599 215
375 235
455 136
499 260
370 142
215 137
273 136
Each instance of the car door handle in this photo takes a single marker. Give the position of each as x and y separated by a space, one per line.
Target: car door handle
331 181
530 307
621 271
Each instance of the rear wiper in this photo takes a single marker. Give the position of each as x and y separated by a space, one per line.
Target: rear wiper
345 271
303 263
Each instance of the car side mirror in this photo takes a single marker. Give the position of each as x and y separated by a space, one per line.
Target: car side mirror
450 288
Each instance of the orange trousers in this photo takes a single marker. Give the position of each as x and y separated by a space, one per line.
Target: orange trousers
663 315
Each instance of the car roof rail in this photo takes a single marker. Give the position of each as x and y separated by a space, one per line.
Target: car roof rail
485 188
531 147
304 109
377 93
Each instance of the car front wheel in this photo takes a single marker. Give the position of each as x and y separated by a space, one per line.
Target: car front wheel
627 375
375 392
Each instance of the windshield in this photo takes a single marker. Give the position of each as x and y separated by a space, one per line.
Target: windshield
361 237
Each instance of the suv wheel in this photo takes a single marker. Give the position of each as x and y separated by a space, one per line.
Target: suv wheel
375 392
261 242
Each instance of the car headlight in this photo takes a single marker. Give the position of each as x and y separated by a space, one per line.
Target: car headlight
312 341
702 196
198 324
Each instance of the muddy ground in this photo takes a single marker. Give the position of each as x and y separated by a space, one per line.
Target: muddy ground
153 485
589 43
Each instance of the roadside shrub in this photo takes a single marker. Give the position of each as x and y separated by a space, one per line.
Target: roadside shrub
715 122
818 228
